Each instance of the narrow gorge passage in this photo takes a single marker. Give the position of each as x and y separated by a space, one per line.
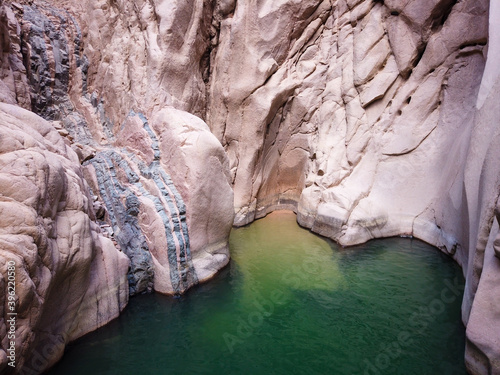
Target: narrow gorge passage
292 302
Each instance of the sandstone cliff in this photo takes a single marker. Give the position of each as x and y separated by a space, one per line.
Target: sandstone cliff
367 118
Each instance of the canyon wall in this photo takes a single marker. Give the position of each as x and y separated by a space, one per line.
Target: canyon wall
367 118
146 159
106 192
370 119
69 279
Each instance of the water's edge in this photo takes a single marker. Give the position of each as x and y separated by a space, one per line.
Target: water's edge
386 307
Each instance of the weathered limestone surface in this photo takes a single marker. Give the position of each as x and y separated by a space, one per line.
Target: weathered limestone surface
335 113
362 117
481 309
367 118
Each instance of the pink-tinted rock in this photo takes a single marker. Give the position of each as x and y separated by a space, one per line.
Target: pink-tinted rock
69 279
368 118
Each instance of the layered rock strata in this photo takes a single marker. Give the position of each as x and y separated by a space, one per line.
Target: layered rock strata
152 186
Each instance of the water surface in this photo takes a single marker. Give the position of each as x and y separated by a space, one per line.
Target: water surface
291 302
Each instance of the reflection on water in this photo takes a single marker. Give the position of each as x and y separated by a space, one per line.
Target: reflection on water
291 302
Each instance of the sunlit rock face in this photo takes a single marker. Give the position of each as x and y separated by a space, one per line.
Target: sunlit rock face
367 118
357 113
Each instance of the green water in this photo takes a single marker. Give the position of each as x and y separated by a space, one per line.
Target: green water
292 303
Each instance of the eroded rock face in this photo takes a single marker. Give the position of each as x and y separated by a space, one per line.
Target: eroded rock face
482 180
160 175
342 104
69 278
13 82
362 116
151 207
173 226
367 118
